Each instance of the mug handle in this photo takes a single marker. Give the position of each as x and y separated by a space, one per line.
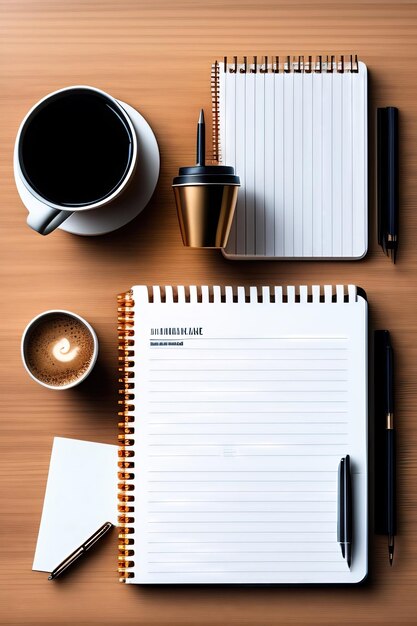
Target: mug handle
46 222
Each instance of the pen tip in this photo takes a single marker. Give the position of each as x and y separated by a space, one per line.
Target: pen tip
348 554
49 577
201 118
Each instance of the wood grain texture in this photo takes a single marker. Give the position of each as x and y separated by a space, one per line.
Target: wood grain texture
156 56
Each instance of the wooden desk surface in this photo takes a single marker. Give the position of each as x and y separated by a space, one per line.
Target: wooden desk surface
156 56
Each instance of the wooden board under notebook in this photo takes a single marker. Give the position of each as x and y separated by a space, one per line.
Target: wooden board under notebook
157 56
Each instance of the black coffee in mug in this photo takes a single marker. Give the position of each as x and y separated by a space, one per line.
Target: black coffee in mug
76 148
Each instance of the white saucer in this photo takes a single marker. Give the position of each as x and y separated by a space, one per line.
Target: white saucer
124 208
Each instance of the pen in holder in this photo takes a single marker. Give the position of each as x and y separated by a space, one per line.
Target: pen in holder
206 197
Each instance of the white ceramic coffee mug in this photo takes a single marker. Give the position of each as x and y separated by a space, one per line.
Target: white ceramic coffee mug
42 317
56 213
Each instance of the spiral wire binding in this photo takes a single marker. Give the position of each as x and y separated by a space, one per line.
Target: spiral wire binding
301 64
125 475
215 103
207 294
329 63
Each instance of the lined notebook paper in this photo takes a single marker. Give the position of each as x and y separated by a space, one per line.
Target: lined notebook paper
241 405
298 141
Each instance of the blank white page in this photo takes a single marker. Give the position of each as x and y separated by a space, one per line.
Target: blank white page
242 414
298 141
81 495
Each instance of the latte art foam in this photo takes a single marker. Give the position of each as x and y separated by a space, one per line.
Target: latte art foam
63 351
59 350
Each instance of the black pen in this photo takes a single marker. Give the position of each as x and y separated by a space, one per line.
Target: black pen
385 453
392 182
390 435
341 504
201 140
344 534
348 510
81 551
388 180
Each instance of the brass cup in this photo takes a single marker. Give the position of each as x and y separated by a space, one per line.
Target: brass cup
205 213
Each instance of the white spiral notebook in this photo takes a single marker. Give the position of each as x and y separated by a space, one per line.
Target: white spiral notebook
236 408
295 129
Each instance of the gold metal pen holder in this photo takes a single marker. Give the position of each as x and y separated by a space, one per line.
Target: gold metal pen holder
206 199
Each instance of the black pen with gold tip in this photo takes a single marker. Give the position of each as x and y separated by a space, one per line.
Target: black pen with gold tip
81 551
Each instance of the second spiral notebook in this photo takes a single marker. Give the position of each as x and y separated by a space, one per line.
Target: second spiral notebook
237 406
295 130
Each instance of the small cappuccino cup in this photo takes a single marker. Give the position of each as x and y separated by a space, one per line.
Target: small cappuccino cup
59 349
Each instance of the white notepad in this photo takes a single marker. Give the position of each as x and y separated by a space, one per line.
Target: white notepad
241 404
80 497
298 140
